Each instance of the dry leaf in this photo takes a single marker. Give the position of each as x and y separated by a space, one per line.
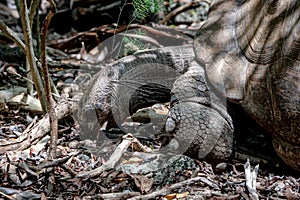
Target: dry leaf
142 182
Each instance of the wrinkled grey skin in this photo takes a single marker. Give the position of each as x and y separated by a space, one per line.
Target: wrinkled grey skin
246 52
197 119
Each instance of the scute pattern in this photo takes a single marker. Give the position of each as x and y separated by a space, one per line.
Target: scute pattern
256 64
246 52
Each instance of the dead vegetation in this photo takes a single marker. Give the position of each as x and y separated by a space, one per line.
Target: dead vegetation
126 167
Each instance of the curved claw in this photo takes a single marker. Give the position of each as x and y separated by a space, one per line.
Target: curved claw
170 125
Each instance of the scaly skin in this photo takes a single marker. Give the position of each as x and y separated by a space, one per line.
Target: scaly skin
198 117
131 83
247 51
148 77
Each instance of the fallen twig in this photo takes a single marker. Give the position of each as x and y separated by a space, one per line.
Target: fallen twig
112 196
115 157
175 186
53 163
181 9
42 128
18 194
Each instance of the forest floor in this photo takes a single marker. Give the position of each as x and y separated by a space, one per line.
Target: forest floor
82 39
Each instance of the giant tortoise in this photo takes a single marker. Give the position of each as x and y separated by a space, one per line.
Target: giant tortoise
246 52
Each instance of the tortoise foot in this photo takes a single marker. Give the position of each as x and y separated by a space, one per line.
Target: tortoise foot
200 131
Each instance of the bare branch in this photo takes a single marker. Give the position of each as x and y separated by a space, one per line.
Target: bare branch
34 4
30 54
51 104
12 35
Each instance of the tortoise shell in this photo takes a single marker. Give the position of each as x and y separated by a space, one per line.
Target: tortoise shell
250 50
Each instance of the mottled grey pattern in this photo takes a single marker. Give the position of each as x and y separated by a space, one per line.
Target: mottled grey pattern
198 118
246 52
250 51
